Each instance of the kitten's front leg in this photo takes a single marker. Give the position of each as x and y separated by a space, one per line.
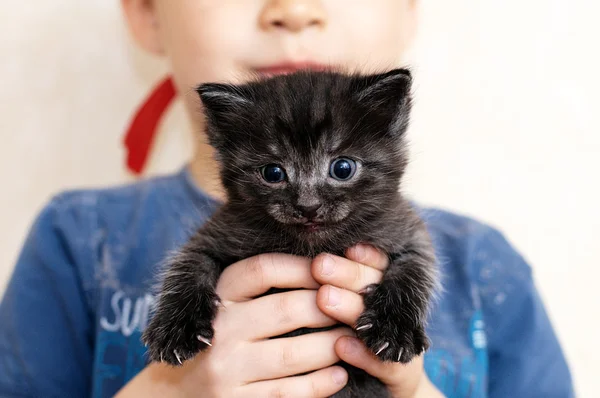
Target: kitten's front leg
393 323
186 308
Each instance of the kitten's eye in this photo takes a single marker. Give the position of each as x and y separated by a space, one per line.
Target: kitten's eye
342 169
273 173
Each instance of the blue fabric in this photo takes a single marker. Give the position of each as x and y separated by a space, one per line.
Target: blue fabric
73 312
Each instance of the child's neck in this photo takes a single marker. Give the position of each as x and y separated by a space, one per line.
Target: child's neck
205 171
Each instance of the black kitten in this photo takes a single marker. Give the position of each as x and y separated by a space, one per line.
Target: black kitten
311 163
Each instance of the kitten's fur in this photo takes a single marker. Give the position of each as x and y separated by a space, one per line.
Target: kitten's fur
303 122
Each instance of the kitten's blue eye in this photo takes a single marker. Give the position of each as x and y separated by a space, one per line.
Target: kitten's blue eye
342 169
273 173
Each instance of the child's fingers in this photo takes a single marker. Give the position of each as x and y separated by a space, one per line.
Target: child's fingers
288 356
343 305
254 276
354 352
322 383
401 378
344 273
368 255
277 314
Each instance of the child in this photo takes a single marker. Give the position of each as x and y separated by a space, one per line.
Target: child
72 315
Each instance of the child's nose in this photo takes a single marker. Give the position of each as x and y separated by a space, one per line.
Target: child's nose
292 15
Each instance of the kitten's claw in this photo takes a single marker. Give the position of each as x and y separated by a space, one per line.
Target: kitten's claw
363 327
182 323
392 335
366 289
218 303
177 356
204 340
383 347
400 354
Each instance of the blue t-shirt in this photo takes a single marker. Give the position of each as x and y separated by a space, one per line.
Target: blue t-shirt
73 312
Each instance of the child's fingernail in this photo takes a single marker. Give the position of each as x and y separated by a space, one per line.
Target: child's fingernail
327 265
339 376
351 345
333 297
359 251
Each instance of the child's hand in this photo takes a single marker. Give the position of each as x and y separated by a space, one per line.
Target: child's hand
243 361
402 380
342 279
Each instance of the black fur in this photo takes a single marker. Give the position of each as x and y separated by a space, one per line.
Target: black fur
303 122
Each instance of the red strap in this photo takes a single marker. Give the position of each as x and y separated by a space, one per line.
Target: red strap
143 127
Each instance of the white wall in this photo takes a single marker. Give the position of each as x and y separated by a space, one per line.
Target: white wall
506 129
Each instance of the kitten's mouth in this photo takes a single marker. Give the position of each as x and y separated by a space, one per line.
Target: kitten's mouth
313 226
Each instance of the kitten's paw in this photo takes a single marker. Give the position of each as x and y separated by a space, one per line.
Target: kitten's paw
181 327
391 326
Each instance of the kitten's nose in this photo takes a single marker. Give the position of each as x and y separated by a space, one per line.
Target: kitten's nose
310 211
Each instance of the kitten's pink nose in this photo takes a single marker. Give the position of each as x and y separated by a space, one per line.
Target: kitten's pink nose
310 211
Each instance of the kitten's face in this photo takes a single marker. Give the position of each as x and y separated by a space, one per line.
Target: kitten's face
313 152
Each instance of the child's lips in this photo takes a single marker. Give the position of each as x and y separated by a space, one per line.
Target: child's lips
290 67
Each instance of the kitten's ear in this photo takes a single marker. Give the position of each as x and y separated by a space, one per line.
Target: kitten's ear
392 86
220 98
389 92
224 107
